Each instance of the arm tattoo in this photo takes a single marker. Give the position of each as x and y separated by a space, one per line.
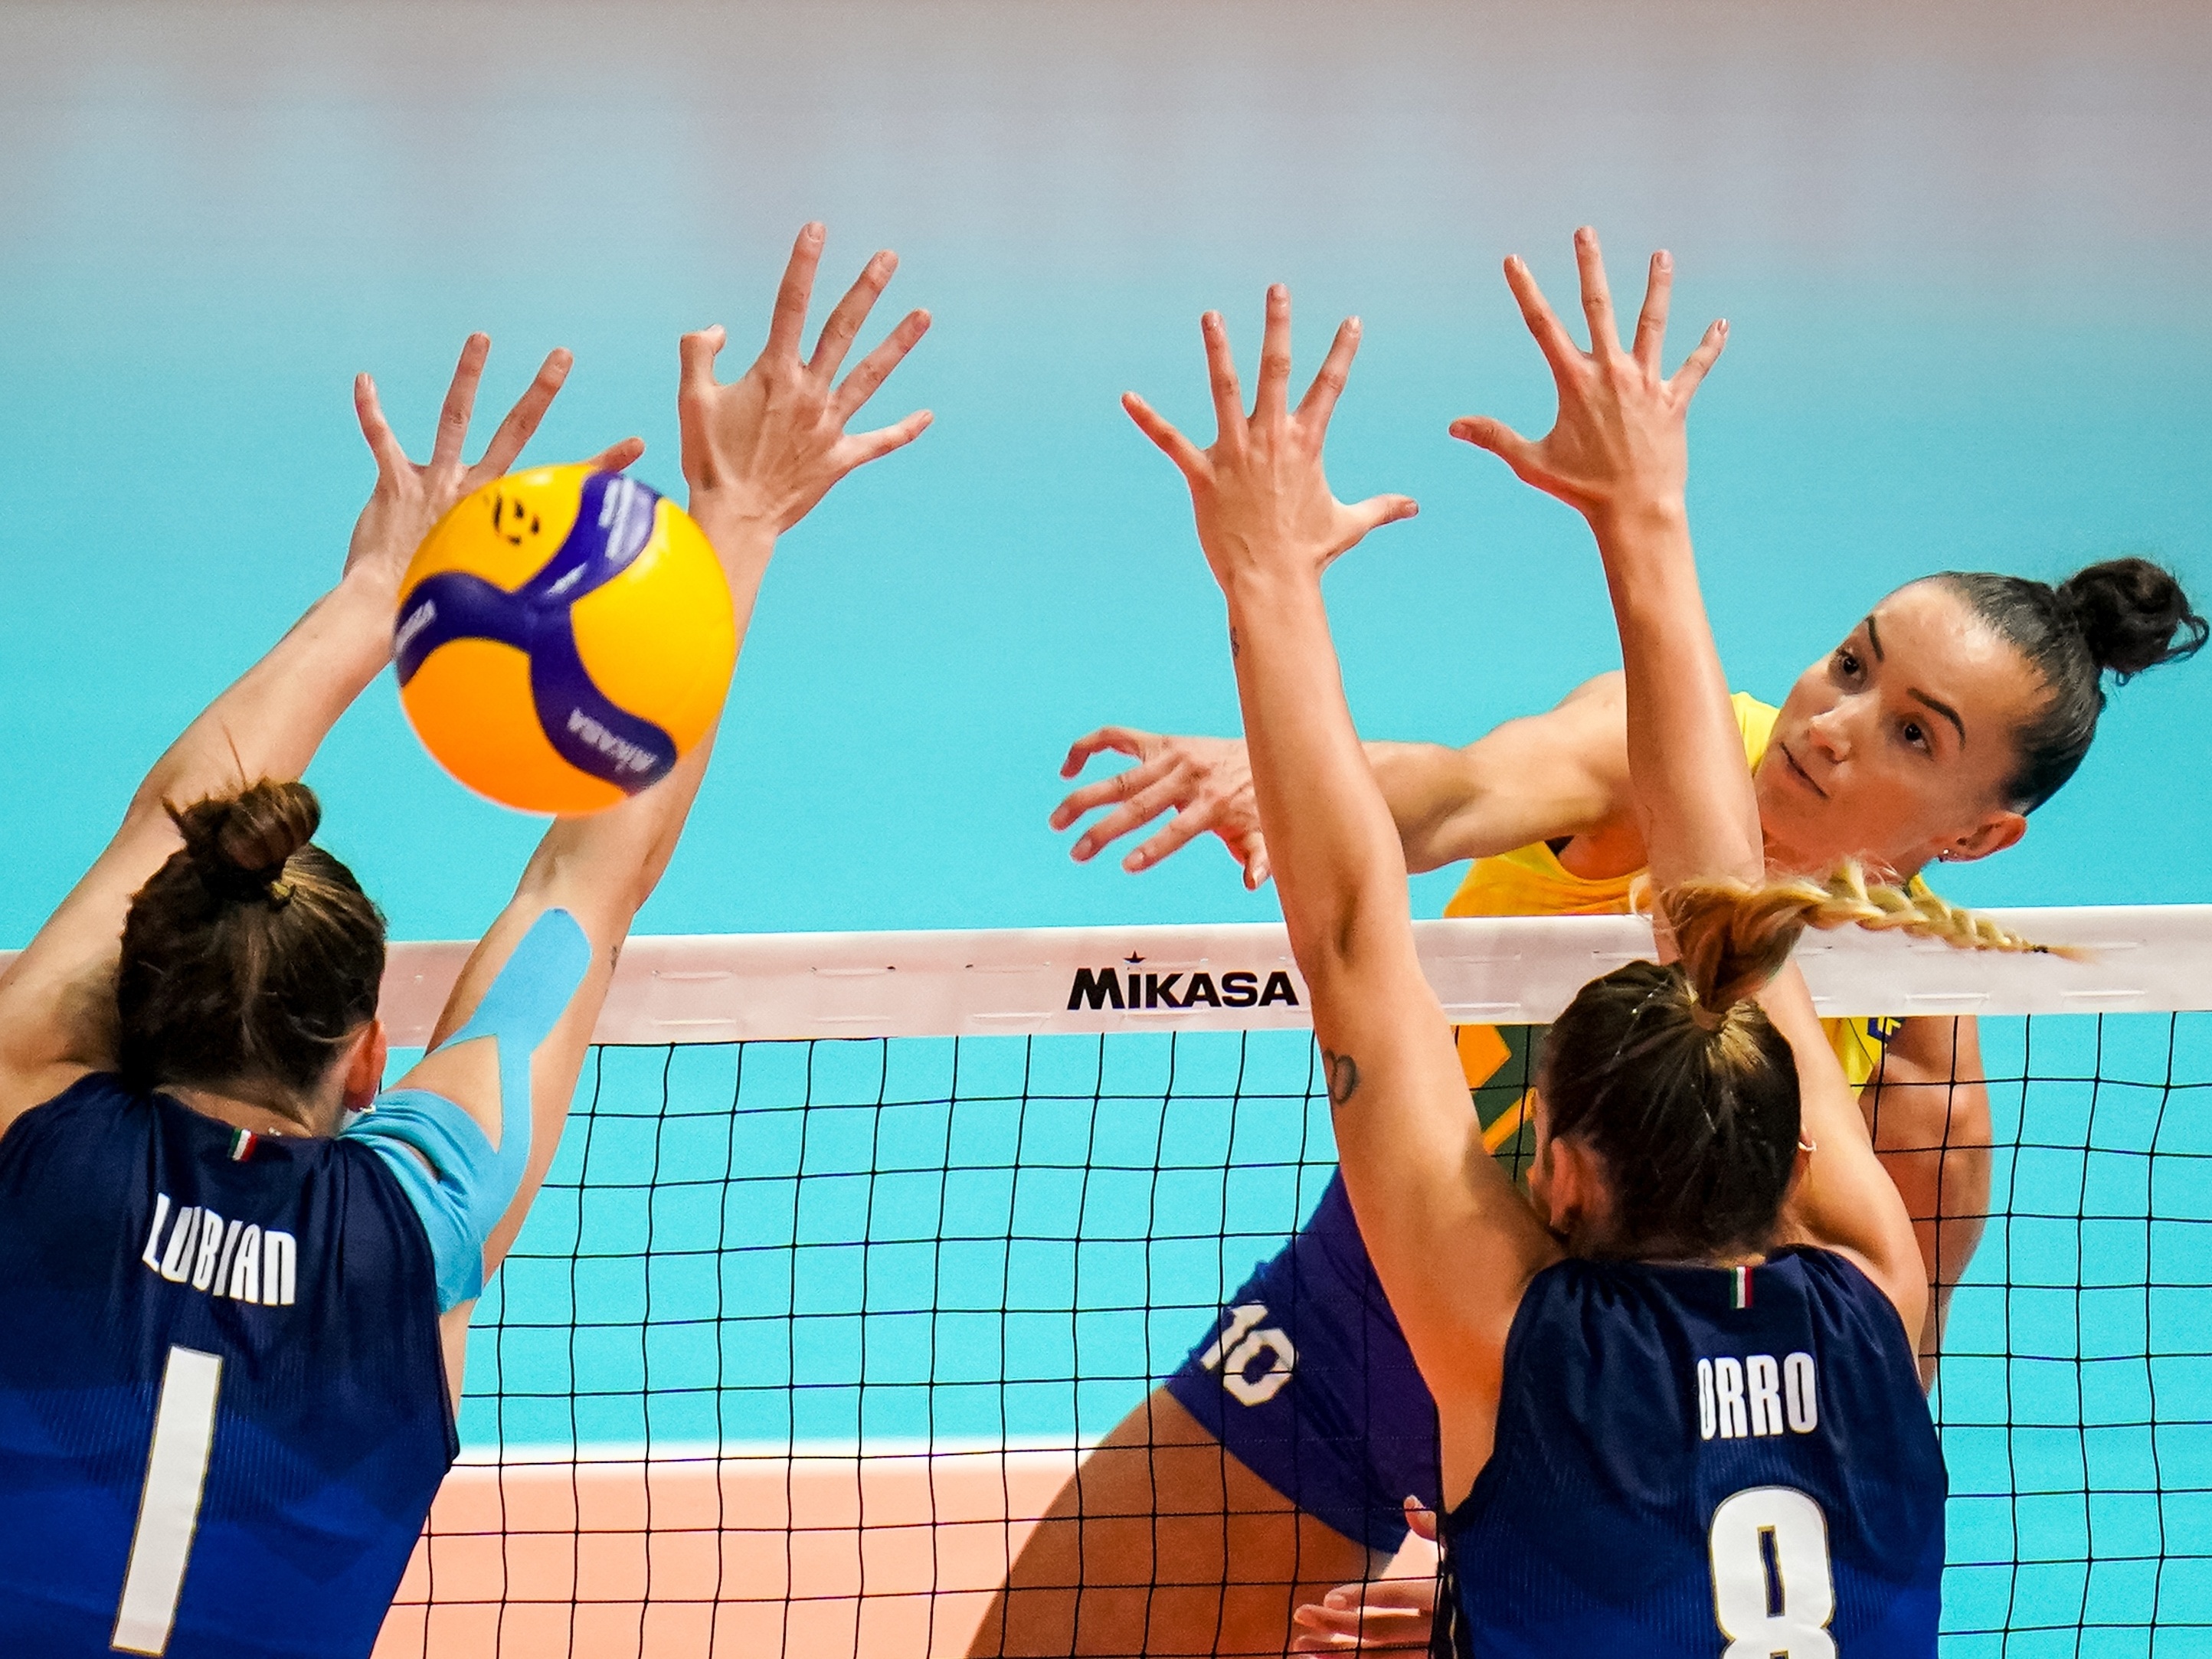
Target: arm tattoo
1236 646
1343 1074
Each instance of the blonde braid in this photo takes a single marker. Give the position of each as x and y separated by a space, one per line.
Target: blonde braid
1733 936
1847 899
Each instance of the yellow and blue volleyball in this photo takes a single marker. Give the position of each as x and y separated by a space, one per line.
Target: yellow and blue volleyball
564 638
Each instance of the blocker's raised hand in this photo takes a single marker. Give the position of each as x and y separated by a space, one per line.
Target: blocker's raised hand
1620 440
1261 498
765 448
408 499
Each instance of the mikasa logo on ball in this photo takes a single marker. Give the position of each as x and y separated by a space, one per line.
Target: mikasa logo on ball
627 755
418 619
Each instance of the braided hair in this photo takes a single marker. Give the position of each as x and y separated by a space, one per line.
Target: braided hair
1675 1077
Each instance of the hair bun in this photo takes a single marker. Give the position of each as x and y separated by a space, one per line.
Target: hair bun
2133 615
240 842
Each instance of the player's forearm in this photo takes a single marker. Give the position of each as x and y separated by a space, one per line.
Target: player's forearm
605 865
1334 849
1427 787
1693 792
1525 781
269 723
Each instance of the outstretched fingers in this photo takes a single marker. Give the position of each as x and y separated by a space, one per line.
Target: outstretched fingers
858 448
1153 789
851 314
1118 739
391 462
1552 337
615 456
1695 367
1271 398
1597 298
1190 823
522 421
787 326
460 401
694 354
1221 376
873 370
1651 321
1376 511
1494 435
1251 852
1320 401
1186 456
1114 789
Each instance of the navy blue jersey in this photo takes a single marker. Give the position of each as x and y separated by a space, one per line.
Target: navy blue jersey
1679 1477
223 1411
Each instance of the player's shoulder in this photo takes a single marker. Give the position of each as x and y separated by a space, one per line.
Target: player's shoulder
77 1101
1580 1294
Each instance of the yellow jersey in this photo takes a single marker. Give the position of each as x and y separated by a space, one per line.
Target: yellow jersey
1530 881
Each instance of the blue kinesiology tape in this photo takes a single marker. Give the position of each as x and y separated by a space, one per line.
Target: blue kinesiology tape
459 1183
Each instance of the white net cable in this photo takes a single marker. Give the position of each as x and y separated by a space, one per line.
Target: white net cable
1503 970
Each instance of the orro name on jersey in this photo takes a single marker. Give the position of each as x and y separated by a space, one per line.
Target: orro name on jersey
220 1257
1753 1395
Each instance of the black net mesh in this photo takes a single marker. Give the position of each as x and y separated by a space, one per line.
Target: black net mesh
801 1338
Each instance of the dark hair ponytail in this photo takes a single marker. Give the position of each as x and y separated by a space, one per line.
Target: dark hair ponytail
251 954
1679 1081
1682 1086
2118 618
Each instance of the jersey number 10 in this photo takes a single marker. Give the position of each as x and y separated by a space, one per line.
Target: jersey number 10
1773 1589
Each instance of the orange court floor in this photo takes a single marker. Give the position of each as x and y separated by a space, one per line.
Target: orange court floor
722 1556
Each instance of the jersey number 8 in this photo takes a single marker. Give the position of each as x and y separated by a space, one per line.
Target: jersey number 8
1774 1591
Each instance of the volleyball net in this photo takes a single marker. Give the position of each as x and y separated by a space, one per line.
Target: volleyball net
855 1243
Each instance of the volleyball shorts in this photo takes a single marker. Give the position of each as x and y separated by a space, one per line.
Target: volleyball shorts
1308 1380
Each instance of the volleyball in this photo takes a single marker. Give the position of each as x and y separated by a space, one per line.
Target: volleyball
564 637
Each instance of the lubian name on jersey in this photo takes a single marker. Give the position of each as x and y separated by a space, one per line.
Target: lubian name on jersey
221 1258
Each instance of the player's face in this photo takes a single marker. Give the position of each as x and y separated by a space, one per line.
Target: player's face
1896 748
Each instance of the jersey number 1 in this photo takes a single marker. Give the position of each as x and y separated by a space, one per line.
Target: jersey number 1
1773 1590
169 1508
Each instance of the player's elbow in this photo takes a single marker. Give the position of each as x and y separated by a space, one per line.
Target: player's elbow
1350 940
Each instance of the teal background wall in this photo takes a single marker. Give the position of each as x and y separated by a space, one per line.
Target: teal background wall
1962 251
